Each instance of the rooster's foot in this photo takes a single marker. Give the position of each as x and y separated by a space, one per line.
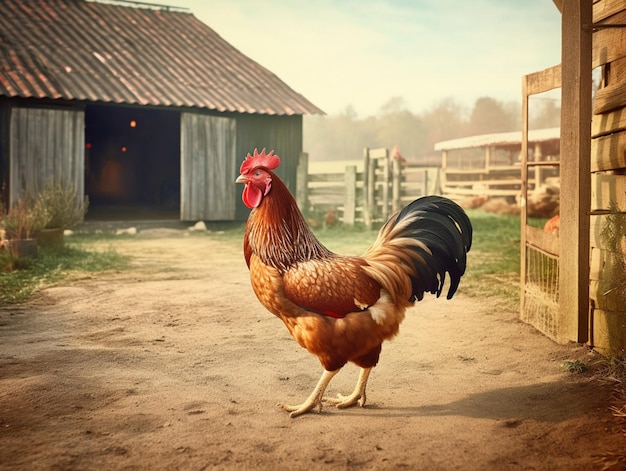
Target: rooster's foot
357 396
342 402
303 408
314 400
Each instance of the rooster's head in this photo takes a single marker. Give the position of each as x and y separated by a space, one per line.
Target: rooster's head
256 176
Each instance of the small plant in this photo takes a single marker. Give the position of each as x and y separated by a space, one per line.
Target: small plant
24 218
574 366
65 208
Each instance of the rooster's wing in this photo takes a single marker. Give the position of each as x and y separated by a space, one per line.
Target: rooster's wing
333 286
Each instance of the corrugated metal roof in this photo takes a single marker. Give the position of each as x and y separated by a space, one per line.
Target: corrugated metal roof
79 50
501 138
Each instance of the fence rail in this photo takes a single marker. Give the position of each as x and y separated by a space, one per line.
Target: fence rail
368 196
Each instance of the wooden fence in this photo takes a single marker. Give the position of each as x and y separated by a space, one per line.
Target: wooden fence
489 164
367 193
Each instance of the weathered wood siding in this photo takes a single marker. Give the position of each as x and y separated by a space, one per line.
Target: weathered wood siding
208 164
283 134
607 290
5 120
46 144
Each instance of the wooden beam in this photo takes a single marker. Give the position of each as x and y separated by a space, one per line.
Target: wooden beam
559 4
543 81
526 91
575 171
349 205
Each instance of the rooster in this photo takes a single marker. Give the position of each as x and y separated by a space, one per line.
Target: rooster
340 308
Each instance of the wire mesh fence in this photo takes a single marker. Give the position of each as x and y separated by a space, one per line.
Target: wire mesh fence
541 291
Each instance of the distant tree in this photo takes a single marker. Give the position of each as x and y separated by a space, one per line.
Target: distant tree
395 104
442 122
316 131
333 137
343 136
396 125
547 115
490 116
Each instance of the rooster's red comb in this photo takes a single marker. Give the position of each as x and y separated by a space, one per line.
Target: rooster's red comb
269 161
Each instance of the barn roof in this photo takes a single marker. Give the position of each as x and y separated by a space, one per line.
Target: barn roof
501 138
88 51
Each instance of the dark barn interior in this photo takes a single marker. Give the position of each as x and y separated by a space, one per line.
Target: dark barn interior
132 162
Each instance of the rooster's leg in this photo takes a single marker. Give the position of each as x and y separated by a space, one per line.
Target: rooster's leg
315 399
357 396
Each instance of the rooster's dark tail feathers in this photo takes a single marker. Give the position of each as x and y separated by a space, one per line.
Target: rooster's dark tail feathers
435 234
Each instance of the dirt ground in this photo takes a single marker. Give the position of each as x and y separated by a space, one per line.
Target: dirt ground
175 365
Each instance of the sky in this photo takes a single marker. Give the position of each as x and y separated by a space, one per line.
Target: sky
363 53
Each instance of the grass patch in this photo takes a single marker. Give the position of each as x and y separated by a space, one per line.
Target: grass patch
492 270
493 266
20 278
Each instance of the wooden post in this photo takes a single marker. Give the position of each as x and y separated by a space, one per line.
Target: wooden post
436 182
396 185
575 198
537 157
524 195
367 211
302 184
386 187
442 174
371 191
349 205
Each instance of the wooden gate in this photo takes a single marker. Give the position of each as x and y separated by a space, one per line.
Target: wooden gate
555 270
539 268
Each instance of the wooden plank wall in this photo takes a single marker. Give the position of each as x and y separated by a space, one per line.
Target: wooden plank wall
282 134
5 120
46 144
207 166
608 183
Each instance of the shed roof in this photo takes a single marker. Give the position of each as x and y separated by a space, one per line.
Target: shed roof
89 51
501 138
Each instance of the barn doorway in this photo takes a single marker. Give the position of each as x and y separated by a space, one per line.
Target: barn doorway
132 163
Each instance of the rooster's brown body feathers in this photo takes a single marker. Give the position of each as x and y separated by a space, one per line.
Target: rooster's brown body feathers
339 308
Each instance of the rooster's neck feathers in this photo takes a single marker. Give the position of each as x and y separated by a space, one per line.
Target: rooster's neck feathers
277 232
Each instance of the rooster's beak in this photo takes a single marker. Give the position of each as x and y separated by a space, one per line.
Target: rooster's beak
241 179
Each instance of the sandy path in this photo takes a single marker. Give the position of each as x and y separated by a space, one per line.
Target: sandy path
175 365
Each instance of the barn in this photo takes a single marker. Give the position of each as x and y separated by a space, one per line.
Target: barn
144 108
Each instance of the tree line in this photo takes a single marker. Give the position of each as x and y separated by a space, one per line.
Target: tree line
343 136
